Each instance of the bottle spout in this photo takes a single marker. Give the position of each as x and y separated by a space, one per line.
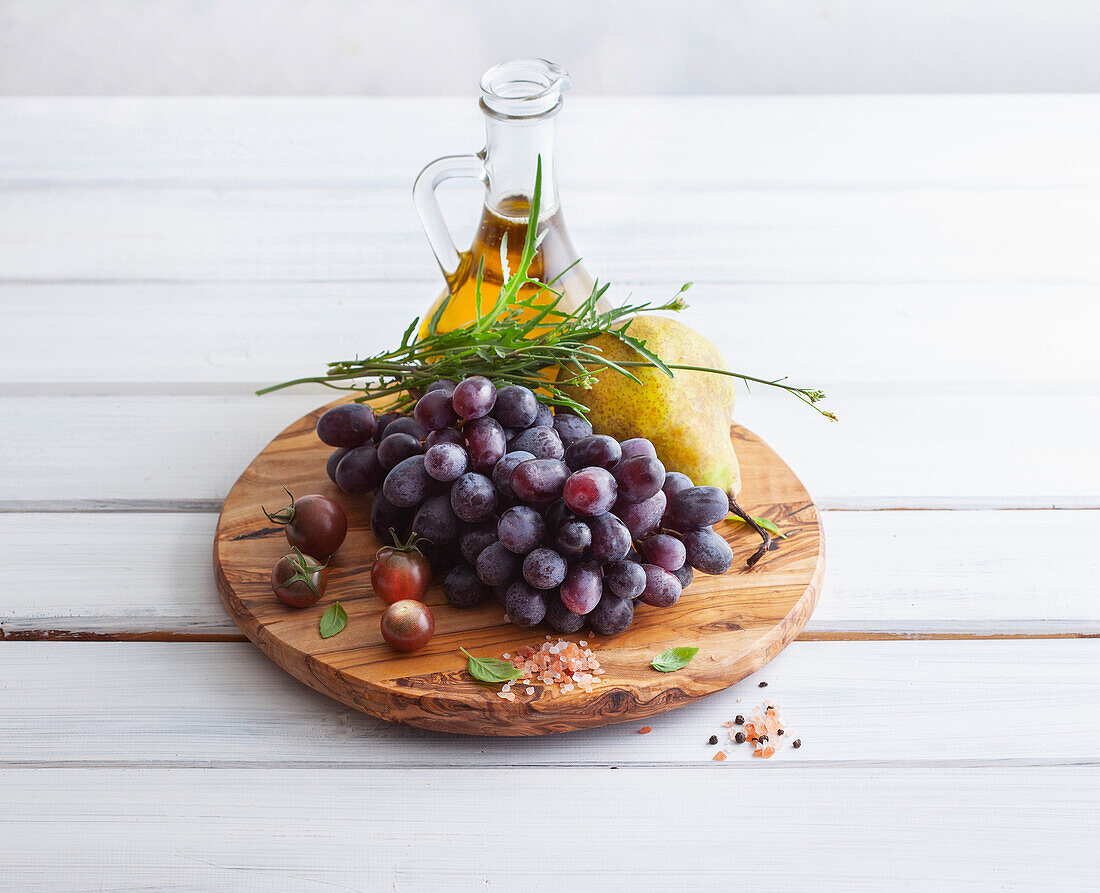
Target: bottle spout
524 88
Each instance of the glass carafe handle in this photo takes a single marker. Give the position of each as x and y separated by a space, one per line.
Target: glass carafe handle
449 167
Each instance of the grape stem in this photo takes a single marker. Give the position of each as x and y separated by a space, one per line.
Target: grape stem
764 535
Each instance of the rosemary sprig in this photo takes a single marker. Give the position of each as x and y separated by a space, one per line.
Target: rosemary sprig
516 341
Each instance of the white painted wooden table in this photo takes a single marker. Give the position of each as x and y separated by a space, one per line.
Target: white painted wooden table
933 263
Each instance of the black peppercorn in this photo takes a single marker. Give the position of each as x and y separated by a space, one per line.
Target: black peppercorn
762 685
739 719
797 743
713 739
778 731
739 737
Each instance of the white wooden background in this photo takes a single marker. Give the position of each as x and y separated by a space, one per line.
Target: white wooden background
650 47
931 262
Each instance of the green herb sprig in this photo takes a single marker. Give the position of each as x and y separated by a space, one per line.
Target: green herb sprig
515 341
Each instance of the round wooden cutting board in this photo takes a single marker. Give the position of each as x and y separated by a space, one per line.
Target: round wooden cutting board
740 621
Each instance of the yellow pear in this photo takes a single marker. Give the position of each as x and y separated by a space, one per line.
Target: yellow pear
687 417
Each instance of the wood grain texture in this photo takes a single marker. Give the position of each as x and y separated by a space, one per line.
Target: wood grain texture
740 621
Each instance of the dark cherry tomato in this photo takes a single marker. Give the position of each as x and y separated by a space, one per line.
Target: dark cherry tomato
298 580
315 524
408 625
401 572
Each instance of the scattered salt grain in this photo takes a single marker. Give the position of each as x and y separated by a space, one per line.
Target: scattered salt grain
530 689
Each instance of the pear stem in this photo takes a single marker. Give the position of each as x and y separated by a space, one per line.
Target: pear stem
764 535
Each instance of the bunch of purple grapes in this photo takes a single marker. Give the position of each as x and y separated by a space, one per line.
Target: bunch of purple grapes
515 502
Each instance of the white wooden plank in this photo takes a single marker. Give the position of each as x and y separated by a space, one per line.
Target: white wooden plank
697 141
892 448
944 703
725 234
366 830
210 334
898 573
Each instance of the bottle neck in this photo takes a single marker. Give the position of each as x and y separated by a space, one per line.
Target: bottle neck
513 147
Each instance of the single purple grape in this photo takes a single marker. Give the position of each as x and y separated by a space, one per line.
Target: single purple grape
406 425
473 497
484 442
596 449
474 397
446 461
443 435
333 460
347 425
436 521
573 538
685 575
665 551
464 588
625 578
496 565
661 588
359 471
612 615
639 478
544 415
520 529
516 406
539 480
675 482
582 587
408 483
698 507
440 384
610 538
543 442
590 491
637 446
641 518
707 551
434 410
544 568
396 448
571 428
524 605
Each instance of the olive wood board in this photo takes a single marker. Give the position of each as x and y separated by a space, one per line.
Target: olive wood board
739 621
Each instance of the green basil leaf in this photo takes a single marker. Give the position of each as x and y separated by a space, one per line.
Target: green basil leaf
675 658
491 670
333 620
